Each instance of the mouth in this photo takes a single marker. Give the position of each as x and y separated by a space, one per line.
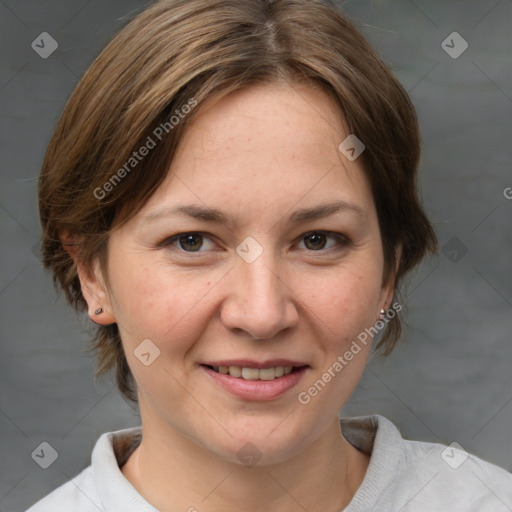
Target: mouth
251 373
254 381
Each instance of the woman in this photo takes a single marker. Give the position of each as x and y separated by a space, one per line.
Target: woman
231 194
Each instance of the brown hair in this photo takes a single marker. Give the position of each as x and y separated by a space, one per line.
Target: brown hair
183 52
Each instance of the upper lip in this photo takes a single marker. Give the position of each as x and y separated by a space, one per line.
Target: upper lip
251 363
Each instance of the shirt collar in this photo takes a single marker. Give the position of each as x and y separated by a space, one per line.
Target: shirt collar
378 436
114 490
374 435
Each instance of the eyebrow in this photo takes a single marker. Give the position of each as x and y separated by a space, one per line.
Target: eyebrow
324 210
214 215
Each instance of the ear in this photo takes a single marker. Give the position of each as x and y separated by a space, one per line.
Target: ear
388 291
387 298
92 282
95 293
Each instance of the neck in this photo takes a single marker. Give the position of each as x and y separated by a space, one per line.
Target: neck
172 472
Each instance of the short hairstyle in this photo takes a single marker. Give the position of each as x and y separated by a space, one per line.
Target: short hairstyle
180 53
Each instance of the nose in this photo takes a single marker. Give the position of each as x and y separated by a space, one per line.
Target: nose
260 302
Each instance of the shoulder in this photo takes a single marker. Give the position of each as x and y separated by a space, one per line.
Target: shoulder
448 475
101 486
416 476
78 494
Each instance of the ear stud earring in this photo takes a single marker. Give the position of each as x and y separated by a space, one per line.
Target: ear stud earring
99 311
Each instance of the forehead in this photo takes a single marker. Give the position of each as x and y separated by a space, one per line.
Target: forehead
283 122
267 147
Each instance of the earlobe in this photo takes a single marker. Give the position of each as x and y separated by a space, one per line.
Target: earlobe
95 293
92 283
101 317
391 287
387 299
386 304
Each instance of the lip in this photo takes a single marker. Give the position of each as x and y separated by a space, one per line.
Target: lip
256 390
251 363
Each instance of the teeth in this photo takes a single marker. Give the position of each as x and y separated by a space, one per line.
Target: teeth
235 371
255 373
267 373
250 373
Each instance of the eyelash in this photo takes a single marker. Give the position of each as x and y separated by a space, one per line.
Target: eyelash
342 241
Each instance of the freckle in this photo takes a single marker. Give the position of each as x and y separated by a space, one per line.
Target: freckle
208 284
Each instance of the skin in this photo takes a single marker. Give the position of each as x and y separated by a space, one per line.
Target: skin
258 155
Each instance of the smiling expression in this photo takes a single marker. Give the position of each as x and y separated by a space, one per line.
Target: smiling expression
252 267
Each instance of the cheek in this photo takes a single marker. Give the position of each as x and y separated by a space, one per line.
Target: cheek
343 311
346 302
158 304
169 310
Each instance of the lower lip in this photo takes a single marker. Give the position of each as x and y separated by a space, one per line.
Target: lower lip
257 389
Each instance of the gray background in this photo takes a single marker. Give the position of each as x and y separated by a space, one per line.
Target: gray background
450 379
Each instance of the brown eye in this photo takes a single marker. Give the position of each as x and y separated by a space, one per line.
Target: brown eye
315 241
324 241
191 242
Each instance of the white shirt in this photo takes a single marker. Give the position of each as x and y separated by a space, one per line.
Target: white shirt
405 476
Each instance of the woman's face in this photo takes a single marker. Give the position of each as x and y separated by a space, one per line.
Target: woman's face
261 250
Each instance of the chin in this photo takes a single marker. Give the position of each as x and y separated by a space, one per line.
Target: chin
258 444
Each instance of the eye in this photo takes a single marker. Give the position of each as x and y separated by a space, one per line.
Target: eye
189 242
318 240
